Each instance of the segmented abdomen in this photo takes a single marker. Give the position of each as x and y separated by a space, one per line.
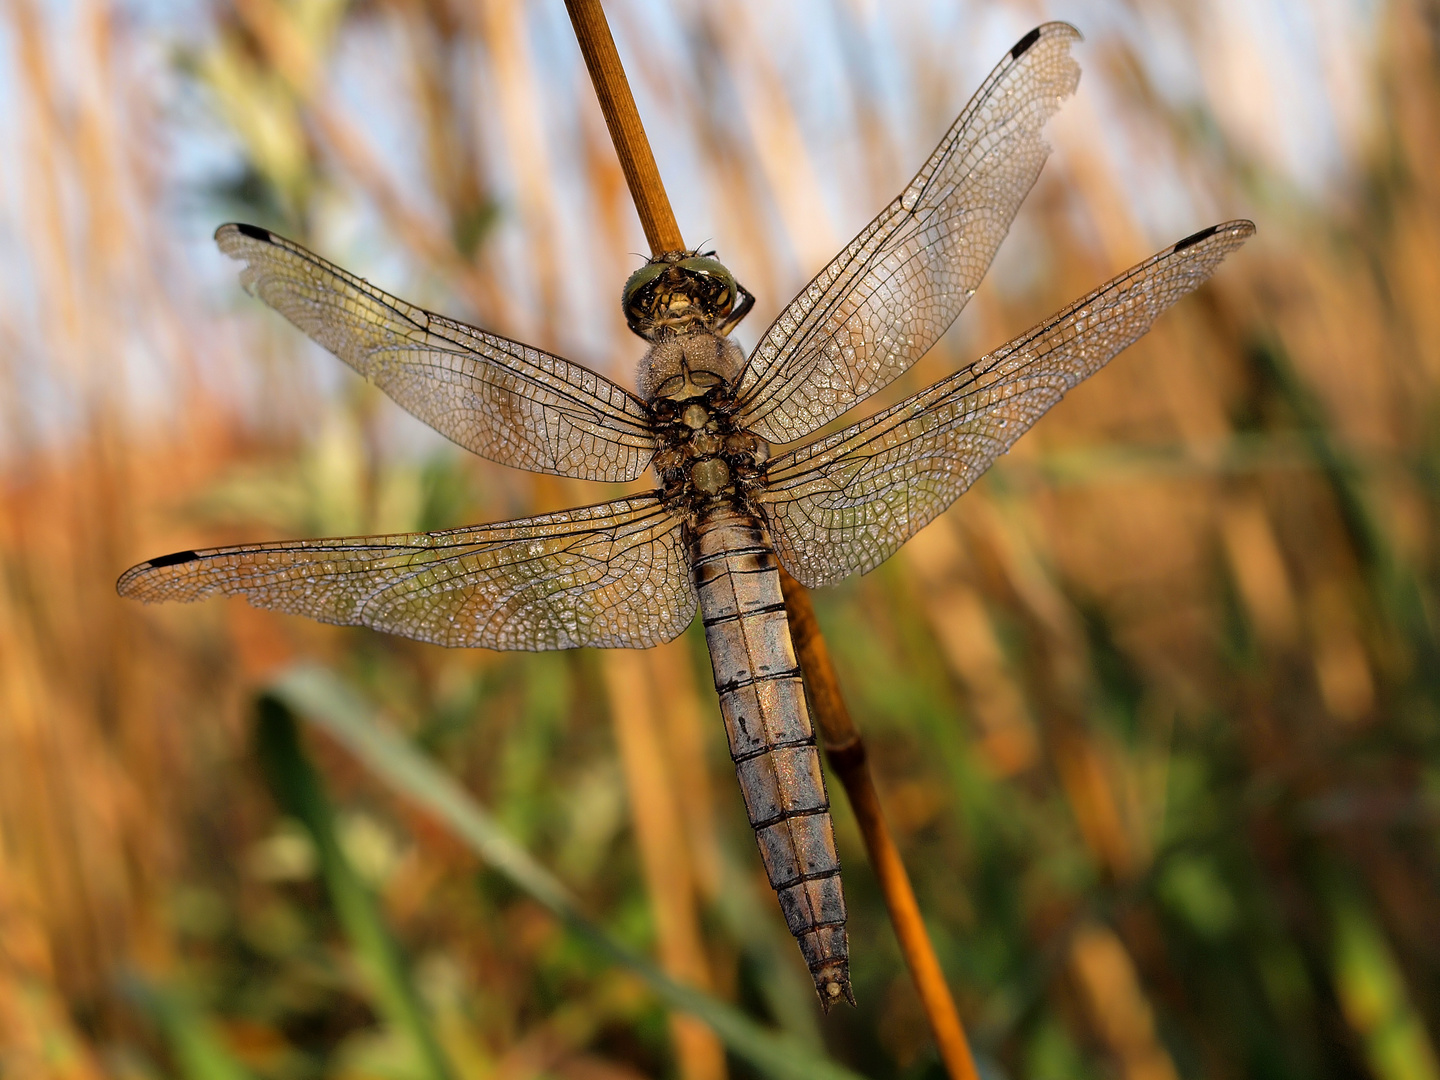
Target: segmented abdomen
771 740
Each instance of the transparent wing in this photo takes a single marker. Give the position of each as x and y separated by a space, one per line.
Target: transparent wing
845 503
612 575
885 299
503 400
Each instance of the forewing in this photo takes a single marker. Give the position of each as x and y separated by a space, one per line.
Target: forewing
499 398
885 299
845 503
612 575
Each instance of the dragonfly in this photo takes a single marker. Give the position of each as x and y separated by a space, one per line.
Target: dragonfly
745 484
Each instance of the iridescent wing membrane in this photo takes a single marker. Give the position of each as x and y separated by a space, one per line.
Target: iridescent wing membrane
885 299
844 504
503 400
610 575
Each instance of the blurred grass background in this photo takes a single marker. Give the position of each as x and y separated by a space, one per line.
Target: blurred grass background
1153 709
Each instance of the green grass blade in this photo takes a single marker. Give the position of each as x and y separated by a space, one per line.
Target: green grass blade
300 791
321 697
1393 581
193 1041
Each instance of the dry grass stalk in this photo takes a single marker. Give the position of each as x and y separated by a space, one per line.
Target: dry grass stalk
963 629
1112 992
669 872
684 731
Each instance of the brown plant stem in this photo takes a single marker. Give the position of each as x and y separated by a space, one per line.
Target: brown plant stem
626 132
843 746
845 750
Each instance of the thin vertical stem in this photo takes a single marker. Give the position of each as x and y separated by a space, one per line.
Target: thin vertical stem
623 119
843 745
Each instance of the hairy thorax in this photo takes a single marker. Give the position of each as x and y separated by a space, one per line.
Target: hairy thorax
689 380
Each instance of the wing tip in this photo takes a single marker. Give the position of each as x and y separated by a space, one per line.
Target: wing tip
128 581
1023 45
175 558
1239 229
253 232
1049 29
1195 238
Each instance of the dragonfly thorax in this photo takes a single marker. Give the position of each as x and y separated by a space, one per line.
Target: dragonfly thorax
684 304
689 366
703 455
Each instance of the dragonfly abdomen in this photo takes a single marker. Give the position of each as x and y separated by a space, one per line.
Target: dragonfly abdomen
771 739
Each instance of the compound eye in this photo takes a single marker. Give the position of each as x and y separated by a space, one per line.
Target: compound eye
712 268
638 280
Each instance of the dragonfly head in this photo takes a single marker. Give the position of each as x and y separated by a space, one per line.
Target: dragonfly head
678 292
